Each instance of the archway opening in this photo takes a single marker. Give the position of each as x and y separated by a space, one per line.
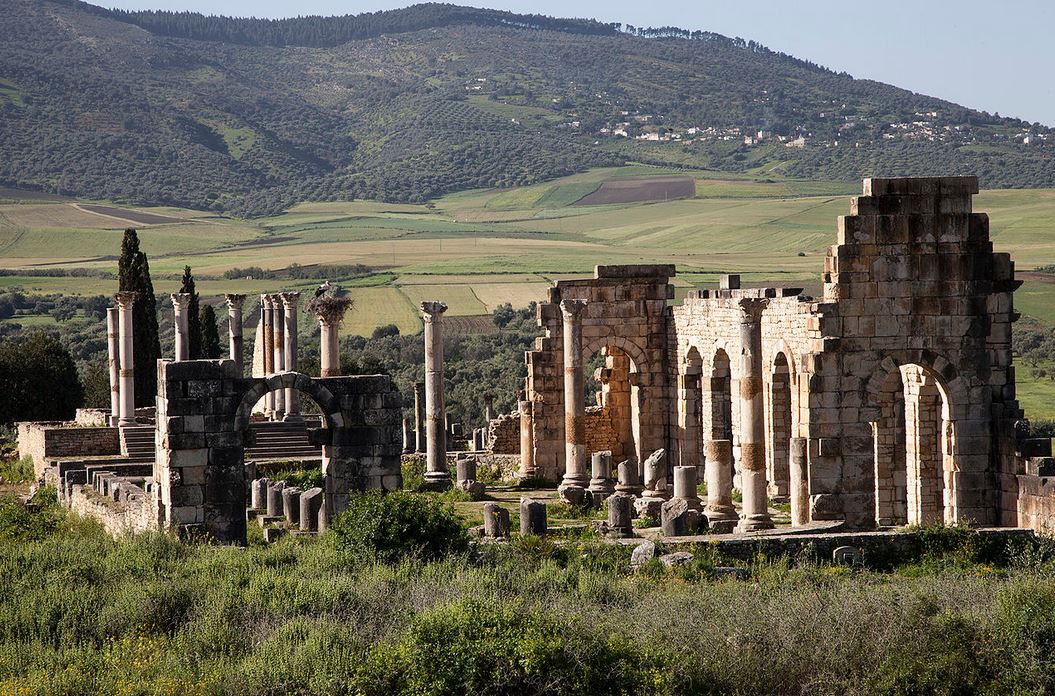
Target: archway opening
613 411
779 430
717 409
889 445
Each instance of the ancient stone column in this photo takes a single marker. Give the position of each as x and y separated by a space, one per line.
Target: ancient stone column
234 328
419 416
125 300
436 474
489 409
527 441
496 521
181 318
800 482
289 315
267 351
532 517
719 472
573 486
755 513
114 363
278 332
685 478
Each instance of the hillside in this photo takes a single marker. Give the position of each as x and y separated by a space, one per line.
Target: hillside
252 116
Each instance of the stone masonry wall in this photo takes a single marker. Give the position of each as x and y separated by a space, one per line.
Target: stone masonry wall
600 434
49 439
503 436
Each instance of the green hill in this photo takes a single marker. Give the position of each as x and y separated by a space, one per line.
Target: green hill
250 116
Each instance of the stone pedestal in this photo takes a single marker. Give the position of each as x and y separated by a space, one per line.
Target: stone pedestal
627 479
291 505
181 319
310 508
755 513
620 523
125 300
685 486
235 340
466 470
601 483
496 521
258 494
436 475
573 486
532 517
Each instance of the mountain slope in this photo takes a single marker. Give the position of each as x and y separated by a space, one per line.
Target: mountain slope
249 116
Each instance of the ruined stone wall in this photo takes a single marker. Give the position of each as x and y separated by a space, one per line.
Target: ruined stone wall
95 417
503 436
1036 503
600 433
49 439
118 518
913 280
626 310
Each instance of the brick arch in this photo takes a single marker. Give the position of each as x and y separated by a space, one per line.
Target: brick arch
632 350
789 358
333 417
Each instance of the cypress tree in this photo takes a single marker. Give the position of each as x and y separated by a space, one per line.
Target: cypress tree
133 271
210 334
194 328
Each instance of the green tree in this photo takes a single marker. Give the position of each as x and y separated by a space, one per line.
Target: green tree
133 270
38 380
210 334
194 328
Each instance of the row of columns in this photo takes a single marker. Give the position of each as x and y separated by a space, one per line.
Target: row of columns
278 322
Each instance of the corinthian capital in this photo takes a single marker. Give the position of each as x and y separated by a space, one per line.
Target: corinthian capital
572 308
433 310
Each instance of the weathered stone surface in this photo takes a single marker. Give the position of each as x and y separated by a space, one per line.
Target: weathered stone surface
496 521
532 517
643 553
620 508
676 559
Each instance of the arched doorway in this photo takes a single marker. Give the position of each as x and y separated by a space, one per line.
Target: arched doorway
913 449
613 403
779 430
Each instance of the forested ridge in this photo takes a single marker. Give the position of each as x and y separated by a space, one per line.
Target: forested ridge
248 116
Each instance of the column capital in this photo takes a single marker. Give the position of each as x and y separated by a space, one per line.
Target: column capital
433 310
265 301
180 301
572 308
290 299
234 301
329 310
126 298
751 308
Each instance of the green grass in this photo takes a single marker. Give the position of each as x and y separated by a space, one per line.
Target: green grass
10 93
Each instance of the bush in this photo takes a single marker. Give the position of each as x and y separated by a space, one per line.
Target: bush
15 470
394 526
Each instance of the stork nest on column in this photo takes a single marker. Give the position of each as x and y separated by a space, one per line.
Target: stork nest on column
329 309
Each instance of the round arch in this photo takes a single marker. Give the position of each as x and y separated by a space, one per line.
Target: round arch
332 416
632 350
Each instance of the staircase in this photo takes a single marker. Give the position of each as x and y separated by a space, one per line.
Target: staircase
137 443
281 440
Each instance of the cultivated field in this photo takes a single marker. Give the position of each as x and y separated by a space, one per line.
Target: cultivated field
479 249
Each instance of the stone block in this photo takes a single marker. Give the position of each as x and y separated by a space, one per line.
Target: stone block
496 521
532 517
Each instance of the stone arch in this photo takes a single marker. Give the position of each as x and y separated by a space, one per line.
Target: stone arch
636 354
621 397
332 416
936 406
779 425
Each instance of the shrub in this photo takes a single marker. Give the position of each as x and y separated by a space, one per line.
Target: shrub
15 470
394 526
413 469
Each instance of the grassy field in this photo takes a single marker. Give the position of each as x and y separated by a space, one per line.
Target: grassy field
478 249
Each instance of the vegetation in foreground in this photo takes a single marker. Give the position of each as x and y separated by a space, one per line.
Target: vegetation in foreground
82 613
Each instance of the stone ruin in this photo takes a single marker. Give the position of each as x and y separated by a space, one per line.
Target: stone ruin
888 401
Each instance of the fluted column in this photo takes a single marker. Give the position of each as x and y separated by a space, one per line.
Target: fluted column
234 328
436 473
113 362
278 332
575 476
125 300
267 339
181 319
289 306
755 513
419 416
527 441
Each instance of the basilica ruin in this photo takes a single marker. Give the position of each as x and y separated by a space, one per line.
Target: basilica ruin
886 402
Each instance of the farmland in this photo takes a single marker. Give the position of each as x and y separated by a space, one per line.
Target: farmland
479 249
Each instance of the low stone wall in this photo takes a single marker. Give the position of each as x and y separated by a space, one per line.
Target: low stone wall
600 435
118 518
43 440
1036 503
95 417
504 435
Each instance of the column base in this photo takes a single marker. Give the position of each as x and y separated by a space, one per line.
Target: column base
572 489
438 481
126 422
755 523
721 513
293 418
